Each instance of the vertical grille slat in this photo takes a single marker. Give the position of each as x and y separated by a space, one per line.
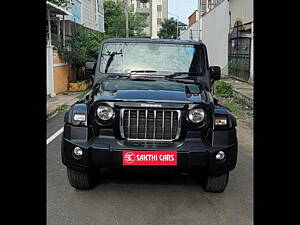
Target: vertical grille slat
163 125
146 123
150 124
137 123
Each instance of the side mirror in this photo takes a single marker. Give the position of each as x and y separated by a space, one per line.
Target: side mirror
90 68
215 72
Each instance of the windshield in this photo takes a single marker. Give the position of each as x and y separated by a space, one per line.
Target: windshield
155 57
115 85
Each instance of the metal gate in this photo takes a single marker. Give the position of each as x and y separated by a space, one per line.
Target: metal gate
239 52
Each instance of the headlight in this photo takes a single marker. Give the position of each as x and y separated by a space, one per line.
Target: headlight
196 115
105 112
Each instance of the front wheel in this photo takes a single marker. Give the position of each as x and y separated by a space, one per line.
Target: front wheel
215 183
83 179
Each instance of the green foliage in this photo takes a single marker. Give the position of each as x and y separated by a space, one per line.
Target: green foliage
115 21
223 89
62 107
137 23
83 93
238 108
82 47
59 2
168 29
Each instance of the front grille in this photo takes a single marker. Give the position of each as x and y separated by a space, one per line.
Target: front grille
150 124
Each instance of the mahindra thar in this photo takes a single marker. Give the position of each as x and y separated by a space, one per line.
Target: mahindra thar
151 104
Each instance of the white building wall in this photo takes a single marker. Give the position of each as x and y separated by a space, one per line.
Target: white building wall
90 19
241 10
92 14
192 33
49 73
215 26
215 29
154 19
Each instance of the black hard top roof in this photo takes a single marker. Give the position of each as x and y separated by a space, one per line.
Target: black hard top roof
149 40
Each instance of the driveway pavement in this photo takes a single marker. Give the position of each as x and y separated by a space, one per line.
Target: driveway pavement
152 198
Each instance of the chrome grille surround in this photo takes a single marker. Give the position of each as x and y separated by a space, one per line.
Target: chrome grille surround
128 135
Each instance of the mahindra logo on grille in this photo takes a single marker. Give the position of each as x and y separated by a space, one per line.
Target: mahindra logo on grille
150 105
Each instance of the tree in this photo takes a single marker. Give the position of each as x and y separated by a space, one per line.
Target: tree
114 22
82 47
59 2
168 29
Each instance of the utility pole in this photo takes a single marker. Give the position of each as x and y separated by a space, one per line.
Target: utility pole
126 17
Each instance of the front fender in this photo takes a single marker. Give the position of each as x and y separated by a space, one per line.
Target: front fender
222 135
76 109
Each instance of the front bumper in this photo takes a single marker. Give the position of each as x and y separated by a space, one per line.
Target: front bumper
106 151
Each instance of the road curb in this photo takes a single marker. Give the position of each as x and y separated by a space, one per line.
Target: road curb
68 104
51 114
247 100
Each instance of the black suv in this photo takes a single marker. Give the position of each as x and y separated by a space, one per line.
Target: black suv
150 105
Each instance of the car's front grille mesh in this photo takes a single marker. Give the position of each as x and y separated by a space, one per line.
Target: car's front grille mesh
150 124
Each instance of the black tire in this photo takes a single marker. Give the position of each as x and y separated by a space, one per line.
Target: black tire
83 179
215 183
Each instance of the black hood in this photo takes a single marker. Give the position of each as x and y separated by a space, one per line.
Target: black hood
151 96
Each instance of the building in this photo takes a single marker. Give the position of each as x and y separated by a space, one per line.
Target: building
193 18
157 10
61 23
87 13
226 27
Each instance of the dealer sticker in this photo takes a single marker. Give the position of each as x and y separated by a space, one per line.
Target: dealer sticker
149 158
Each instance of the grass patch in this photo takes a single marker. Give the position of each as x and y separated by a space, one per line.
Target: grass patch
239 109
83 93
224 92
62 107
223 89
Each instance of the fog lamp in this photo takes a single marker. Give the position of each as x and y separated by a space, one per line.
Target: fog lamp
78 151
220 155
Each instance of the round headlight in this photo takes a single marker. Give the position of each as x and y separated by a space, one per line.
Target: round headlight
196 115
105 112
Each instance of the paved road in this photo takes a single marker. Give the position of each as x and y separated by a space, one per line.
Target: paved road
131 197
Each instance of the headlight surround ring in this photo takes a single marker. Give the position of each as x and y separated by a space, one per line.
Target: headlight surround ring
100 118
197 115
104 112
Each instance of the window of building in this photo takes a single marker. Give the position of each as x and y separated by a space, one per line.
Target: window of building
159 14
142 4
158 21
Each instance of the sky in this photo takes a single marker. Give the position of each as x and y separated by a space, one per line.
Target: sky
182 8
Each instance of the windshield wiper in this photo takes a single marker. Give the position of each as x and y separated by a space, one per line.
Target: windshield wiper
142 71
116 75
177 74
111 58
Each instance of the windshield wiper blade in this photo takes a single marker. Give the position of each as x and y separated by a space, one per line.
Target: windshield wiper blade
181 73
142 71
118 75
